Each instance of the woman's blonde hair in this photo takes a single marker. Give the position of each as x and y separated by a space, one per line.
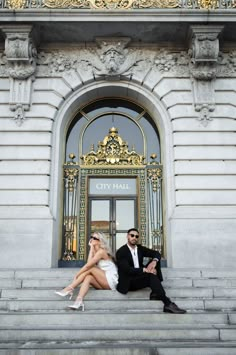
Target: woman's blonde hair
104 243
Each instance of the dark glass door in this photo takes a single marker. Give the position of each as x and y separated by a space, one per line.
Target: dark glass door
112 207
112 216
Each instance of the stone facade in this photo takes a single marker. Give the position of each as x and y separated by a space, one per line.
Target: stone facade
189 90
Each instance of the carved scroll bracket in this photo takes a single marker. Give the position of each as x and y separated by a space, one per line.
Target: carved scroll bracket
20 55
203 68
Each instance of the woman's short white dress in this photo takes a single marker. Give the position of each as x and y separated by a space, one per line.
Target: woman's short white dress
111 272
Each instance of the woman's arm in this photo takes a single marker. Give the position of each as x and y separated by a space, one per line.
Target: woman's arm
91 252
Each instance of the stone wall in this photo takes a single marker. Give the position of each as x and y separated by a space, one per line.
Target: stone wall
189 92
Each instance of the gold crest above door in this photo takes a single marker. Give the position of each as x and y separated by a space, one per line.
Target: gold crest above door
113 150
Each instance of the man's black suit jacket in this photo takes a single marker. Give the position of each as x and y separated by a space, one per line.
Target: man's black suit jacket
126 269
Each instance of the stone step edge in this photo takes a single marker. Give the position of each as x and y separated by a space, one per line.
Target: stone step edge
172 327
131 343
114 299
125 311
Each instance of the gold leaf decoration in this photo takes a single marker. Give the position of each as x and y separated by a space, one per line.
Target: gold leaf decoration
111 4
16 4
208 4
112 151
63 4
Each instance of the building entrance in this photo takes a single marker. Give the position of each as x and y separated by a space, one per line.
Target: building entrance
112 188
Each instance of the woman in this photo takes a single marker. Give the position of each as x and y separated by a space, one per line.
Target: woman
100 271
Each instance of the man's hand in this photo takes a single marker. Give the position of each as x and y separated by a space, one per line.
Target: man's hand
152 267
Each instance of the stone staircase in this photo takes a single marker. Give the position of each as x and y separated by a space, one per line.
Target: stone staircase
34 320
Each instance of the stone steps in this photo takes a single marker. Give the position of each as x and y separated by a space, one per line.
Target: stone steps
132 348
171 282
187 292
111 319
195 305
60 305
33 317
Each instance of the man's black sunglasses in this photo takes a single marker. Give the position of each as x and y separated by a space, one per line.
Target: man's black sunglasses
134 235
92 237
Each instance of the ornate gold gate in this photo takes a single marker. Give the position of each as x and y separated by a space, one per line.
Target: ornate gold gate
112 159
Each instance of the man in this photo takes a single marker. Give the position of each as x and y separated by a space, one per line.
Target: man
134 276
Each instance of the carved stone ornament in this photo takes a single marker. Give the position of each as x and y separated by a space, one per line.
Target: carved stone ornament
205 47
20 51
204 113
227 64
203 68
112 54
19 115
20 58
112 151
20 94
113 57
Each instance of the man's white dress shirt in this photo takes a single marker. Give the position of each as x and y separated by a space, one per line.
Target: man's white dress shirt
134 253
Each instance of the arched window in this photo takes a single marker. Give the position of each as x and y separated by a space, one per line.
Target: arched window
92 122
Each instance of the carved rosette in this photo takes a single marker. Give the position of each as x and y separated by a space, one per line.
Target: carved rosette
112 151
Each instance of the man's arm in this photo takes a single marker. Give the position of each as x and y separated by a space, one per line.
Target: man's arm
156 257
150 253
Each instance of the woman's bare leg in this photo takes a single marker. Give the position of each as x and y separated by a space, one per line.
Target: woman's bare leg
100 277
76 281
89 280
98 274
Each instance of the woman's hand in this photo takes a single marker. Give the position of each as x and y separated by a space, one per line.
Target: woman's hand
76 276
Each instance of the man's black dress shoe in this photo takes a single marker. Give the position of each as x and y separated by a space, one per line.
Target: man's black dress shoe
173 308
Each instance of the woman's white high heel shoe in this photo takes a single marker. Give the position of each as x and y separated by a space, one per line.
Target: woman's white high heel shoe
78 304
66 293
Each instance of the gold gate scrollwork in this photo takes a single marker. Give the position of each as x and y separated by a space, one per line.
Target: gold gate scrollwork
70 226
154 179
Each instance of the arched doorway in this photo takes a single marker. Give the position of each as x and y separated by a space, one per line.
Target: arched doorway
112 187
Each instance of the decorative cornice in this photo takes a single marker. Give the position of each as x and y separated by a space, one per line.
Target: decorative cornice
119 4
110 4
